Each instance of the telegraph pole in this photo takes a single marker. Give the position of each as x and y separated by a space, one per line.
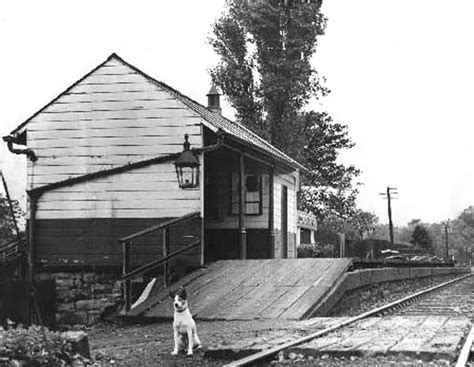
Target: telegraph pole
388 195
446 227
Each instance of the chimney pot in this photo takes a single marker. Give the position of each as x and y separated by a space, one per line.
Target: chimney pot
213 100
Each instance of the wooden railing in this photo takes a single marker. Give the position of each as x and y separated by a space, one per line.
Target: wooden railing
127 242
12 250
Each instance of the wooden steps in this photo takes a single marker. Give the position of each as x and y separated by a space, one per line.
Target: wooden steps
251 289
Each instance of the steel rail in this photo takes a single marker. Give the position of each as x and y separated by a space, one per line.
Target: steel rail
378 310
463 358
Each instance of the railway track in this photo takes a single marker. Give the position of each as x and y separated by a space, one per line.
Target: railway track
390 308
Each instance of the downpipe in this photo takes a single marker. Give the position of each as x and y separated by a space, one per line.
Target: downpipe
10 140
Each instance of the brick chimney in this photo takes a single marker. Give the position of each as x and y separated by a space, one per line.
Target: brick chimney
213 100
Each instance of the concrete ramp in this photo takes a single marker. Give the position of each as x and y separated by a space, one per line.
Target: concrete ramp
251 289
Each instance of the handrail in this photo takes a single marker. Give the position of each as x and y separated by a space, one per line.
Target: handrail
158 227
126 242
155 263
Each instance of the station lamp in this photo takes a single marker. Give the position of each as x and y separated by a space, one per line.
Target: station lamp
187 167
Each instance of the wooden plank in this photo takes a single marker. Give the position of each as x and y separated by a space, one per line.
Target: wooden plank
193 289
127 115
89 123
304 303
293 277
139 86
99 163
174 191
318 271
118 213
131 150
119 203
151 170
118 96
146 177
65 105
275 309
95 224
227 300
254 301
134 141
135 131
212 288
124 76
125 186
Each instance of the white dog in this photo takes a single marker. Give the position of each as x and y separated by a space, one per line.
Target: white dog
184 326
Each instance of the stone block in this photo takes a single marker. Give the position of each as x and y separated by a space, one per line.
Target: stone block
79 342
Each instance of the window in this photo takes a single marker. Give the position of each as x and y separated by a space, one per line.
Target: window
253 194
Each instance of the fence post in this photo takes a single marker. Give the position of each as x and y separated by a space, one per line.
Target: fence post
166 244
127 286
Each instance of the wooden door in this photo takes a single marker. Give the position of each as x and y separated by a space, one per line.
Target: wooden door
284 221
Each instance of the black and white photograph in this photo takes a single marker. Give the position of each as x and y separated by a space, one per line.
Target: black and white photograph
236 183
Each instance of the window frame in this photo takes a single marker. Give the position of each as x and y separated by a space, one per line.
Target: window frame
236 194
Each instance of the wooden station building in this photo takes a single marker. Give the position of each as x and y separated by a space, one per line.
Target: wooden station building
103 164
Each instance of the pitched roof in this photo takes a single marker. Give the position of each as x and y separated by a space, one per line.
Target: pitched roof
214 121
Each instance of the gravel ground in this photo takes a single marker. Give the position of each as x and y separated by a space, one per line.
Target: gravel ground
360 361
454 300
365 299
118 344
150 345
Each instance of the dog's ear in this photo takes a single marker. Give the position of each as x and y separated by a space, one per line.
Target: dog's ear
182 293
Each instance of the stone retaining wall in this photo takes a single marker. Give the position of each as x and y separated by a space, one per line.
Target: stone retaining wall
83 296
361 278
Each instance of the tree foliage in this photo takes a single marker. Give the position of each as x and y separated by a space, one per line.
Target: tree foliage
7 224
420 237
358 226
265 50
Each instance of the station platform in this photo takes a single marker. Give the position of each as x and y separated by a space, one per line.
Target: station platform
287 289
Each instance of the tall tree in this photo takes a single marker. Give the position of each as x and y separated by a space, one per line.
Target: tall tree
420 237
265 50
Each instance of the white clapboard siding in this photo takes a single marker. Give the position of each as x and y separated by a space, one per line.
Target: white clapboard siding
94 124
151 151
71 170
162 193
114 116
118 203
64 105
146 180
116 132
107 78
75 143
100 162
177 211
113 97
98 116
128 194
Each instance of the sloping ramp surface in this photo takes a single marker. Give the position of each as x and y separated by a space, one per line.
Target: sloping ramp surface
252 289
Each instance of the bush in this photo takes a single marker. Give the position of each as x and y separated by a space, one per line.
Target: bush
36 346
306 250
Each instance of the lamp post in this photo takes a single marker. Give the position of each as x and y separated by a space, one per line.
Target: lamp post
187 167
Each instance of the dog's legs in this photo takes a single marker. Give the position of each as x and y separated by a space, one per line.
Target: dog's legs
197 342
176 341
190 341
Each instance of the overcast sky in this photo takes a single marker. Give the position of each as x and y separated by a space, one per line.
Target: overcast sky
401 74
